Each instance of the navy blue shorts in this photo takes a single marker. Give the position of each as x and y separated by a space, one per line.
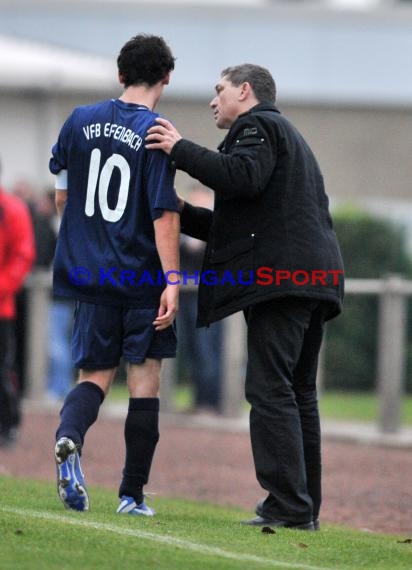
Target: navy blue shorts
103 334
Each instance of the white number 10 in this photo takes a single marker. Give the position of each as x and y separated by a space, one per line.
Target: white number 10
115 161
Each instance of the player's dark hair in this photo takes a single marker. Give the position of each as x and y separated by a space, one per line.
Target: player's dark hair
259 78
144 59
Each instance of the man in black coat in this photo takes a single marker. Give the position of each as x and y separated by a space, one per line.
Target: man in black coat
271 252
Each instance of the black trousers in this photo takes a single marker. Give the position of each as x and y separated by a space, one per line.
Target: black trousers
284 339
9 397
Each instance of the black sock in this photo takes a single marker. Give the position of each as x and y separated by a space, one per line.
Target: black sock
79 411
141 433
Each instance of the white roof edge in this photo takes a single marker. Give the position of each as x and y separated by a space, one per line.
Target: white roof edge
32 65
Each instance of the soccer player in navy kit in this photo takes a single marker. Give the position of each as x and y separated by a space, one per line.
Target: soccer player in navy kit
119 236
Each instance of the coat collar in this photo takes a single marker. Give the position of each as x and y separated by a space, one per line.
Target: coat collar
259 107
263 106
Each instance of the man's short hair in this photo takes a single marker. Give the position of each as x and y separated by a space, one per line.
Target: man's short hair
144 59
259 78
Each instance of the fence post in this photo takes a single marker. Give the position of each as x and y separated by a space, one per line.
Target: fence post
234 363
391 353
168 384
38 299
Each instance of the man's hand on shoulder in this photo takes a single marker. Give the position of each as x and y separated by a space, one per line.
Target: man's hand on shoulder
162 136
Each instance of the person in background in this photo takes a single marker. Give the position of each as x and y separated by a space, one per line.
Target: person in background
25 191
60 365
199 349
17 253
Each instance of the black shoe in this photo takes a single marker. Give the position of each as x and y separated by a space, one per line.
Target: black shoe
259 512
263 521
259 507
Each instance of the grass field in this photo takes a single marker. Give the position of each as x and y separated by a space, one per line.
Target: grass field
360 406
36 532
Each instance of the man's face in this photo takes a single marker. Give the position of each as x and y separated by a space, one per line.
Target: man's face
226 105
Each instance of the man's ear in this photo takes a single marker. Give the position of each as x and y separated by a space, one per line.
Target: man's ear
245 91
121 78
166 79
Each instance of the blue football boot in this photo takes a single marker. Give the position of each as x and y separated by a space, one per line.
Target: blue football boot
70 479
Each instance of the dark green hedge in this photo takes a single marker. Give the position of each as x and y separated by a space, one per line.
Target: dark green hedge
371 248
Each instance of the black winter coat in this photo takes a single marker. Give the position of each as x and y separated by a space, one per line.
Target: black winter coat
270 234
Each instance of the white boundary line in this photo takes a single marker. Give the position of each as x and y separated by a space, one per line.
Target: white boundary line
168 540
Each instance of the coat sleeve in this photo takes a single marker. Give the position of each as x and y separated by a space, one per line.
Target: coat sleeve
242 170
196 221
21 249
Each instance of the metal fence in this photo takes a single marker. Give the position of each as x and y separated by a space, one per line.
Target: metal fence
393 293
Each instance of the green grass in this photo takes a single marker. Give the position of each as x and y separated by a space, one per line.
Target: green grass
345 406
358 406
37 533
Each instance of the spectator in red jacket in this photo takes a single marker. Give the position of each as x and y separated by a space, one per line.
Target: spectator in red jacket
17 252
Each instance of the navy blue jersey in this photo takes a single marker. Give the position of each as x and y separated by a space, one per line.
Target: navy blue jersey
106 251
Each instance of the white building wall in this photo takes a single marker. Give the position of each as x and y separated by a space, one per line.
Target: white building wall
19 138
364 153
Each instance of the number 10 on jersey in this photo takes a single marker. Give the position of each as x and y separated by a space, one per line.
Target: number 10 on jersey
100 177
